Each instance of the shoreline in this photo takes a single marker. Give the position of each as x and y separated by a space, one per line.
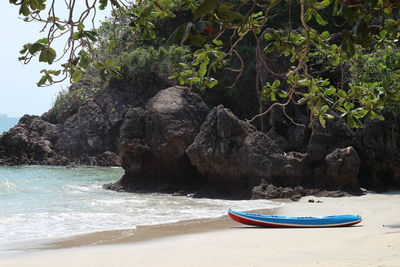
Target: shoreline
146 232
222 242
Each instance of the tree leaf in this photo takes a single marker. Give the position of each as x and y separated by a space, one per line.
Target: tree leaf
48 55
320 20
33 48
76 76
322 120
330 91
203 69
204 8
24 9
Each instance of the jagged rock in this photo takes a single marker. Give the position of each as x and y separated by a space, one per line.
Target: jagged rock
80 134
378 144
339 171
108 158
270 191
233 156
133 125
324 140
153 143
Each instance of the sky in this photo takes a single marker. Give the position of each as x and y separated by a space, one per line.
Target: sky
19 94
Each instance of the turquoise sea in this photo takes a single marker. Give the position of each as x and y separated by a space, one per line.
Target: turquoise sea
6 123
39 204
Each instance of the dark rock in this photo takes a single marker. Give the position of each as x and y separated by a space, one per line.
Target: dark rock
270 191
324 140
179 193
108 158
79 134
233 156
342 167
153 154
311 200
378 144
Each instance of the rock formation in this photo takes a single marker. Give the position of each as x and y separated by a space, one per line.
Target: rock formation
153 143
175 144
233 156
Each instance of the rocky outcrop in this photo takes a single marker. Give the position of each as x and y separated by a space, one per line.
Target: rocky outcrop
30 142
174 144
339 171
87 134
233 156
238 161
378 144
154 140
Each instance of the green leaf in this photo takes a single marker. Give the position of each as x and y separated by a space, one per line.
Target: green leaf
276 83
24 9
203 69
34 4
342 93
76 76
268 37
376 115
103 4
304 82
324 109
217 42
33 48
359 113
320 20
43 41
98 65
42 81
81 26
282 93
322 120
335 59
109 62
330 91
273 96
225 13
211 83
269 48
353 122
348 106
204 8
325 35
47 55
329 116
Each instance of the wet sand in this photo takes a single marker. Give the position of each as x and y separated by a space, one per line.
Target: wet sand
222 242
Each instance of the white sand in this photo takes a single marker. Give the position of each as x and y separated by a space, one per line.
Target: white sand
375 242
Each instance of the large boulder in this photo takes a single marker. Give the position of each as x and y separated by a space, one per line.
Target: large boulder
323 140
29 142
339 171
154 140
378 144
233 156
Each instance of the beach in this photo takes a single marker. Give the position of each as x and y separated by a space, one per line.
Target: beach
222 242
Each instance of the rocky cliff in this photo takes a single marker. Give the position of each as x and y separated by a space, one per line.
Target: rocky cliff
174 143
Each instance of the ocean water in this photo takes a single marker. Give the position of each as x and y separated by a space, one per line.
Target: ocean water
7 123
42 204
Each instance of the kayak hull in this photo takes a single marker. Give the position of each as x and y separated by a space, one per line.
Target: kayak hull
293 222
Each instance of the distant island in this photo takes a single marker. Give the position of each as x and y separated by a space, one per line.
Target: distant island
7 122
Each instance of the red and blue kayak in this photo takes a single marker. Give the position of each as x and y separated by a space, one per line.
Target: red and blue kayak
283 221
